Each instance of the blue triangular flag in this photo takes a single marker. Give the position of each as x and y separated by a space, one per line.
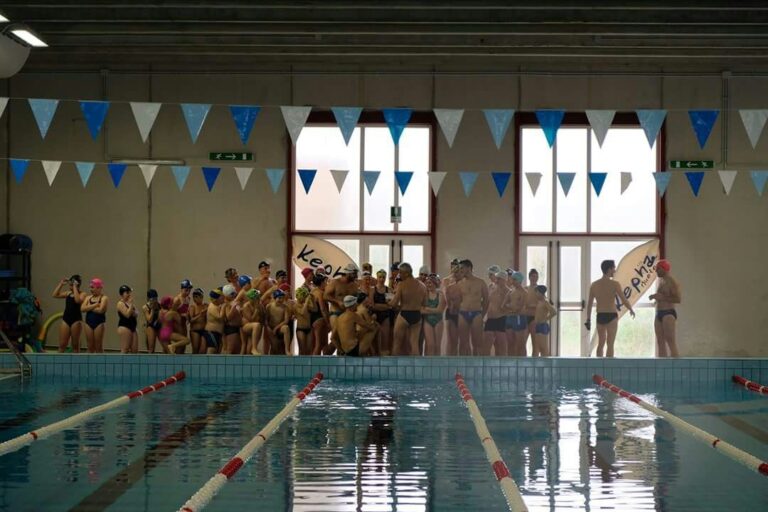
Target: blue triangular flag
180 173
244 116
694 180
501 180
370 178
84 169
397 119
346 118
275 177
650 122
566 181
468 180
116 171
43 110
194 115
498 122
403 179
702 122
307 177
19 167
598 180
94 113
662 181
758 180
211 174
550 121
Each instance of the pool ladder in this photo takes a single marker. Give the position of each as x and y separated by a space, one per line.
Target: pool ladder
25 367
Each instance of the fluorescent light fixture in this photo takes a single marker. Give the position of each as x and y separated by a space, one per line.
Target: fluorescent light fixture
135 161
3 19
28 37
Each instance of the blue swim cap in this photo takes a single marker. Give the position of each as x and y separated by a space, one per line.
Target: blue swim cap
215 294
278 293
152 293
518 276
541 289
244 280
186 284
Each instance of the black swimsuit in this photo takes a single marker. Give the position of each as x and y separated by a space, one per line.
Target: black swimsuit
72 312
412 317
128 322
381 298
155 322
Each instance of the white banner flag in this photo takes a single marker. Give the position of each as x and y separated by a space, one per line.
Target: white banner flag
51 168
3 104
339 177
436 181
754 122
449 120
727 178
626 180
145 115
295 118
600 121
243 175
148 171
534 180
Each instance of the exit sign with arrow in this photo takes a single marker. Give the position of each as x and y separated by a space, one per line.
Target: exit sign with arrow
231 156
691 164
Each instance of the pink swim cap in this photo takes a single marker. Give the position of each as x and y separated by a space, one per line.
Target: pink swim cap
166 302
664 265
97 283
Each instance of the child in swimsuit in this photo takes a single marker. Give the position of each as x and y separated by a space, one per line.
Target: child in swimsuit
379 297
181 303
544 312
197 317
72 320
432 312
278 318
300 311
232 320
318 314
95 308
170 323
152 319
253 321
214 323
126 321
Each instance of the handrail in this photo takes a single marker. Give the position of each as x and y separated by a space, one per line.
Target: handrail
25 367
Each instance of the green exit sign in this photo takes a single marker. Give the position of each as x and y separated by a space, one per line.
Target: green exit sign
691 164
231 156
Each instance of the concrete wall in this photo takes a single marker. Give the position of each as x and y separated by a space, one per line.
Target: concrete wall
161 236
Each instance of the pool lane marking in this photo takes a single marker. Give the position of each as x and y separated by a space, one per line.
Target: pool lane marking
500 469
110 491
21 441
207 492
67 400
11 376
737 423
750 385
740 456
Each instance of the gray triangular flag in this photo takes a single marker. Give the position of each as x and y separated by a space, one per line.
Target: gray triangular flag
295 118
534 180
754 122
51 168
449 120
148 171
436 181
243 175
339 177
145 115
3 104
600 120
626 179
727 178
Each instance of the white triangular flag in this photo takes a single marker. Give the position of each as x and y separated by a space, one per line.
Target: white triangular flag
534 180
754 122
148 171
51 168
626 179
449 119
243 175
436 181
727 178
295 118
600 120
339 177
3 104
145 115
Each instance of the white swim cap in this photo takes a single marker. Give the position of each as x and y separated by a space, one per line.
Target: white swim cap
494 269
424 269
229 290
350 268
350 300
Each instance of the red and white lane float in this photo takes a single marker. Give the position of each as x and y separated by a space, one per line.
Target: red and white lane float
206 493
750 385
727 449
41 433
508 486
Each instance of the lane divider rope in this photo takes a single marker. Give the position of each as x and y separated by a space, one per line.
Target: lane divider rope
750 385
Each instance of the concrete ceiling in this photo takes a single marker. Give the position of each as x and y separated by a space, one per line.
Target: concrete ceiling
401 35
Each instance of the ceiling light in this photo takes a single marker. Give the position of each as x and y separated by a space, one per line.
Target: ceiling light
28 37
3 19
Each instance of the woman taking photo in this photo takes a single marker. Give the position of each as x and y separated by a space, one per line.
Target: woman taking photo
72 321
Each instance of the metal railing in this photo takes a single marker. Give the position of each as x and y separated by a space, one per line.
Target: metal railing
25 367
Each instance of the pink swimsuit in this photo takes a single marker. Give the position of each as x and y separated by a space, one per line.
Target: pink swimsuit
167 328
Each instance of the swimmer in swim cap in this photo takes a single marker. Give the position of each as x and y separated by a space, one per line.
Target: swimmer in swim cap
668 295
605 292
278 325
181 304
516 325
264 281
232 320
72 321
253 321
494 330
353 334
95 308
544 312
197 317
300 311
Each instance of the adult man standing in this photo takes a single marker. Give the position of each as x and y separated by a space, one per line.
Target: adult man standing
409 298
472 310
605 291
337 289
667 295
453 298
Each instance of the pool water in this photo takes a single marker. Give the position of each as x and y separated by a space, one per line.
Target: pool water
392 445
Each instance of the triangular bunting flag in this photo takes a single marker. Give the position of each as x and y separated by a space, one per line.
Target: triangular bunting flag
116 171
19 167
243 175
295 118
600 121
727 178
145 115
85 169
244 116
94 113
339 177
566 181
754 122
43 110
370 178
550 121
662 181
436 181
211 174
346 118
468 180
403 179
534 180
51 169
396 119
275 177
449 120
598 180
626 180
694 180
148 171
180 174
498 122
501 180
3 104
702 122
307 178
650 122
758 180
194 115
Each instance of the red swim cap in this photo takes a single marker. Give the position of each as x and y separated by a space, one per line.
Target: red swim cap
285 287
166 302
307 272
664 265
